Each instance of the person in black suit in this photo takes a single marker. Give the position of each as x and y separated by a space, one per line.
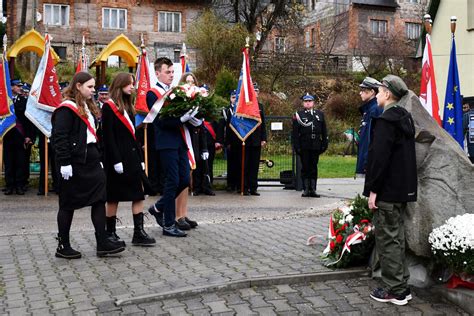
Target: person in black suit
82 181
173 152
253 149
16 145
124 164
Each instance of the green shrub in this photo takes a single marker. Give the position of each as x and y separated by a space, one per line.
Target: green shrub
226 81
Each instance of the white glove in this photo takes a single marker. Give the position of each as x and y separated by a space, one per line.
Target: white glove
205 155
187 116
101 165
118 168
143 166
66 172
195 121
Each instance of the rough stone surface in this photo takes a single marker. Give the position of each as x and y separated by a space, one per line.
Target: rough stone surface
445 179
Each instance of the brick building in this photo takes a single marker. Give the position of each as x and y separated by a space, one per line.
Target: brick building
162 23
362 29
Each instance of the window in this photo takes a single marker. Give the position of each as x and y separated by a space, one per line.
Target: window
169 22
307 39
413 30
378 27
114 18
56 14
279 44
61 51
313 37
177 55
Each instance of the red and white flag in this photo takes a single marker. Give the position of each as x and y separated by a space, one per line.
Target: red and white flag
142 84
428 93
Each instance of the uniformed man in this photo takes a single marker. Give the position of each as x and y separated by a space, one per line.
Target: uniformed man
103 92
369 110
15 144
309 141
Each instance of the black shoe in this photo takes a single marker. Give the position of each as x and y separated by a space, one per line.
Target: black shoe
173 232
246 193
196 193
254 193
105 246
111 232
191 223
20 191
314 194
158 215
209 192
140 237
65 250
8 192
182 224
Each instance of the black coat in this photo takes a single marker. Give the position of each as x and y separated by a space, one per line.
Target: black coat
309 131
260 133
391 165
120 146
69 139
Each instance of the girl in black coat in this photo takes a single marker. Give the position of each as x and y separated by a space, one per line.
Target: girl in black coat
82 178
123 159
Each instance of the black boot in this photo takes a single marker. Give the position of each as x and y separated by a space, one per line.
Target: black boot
140 237
65 250
105 246
306 184
111 230
312 190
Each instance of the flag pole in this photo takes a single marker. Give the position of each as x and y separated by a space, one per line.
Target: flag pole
46 160
5 39
247 45
145 128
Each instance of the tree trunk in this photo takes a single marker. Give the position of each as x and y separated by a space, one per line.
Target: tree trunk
23 17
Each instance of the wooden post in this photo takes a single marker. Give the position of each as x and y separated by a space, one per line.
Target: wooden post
145 140
242 182
46 165
11 65
103 65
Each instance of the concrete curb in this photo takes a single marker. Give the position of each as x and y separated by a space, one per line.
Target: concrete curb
246 283
461 297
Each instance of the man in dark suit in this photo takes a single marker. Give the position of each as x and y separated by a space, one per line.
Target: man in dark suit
172 149
253 149
15 144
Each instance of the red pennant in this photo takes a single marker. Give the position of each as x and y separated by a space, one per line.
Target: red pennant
143 85
50 94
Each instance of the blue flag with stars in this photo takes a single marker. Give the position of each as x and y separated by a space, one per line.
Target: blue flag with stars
452 116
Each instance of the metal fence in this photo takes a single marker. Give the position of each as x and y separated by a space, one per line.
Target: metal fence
277 156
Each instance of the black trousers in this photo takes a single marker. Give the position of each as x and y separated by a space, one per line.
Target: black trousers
14 158
233 153
202 175
252 163
309 163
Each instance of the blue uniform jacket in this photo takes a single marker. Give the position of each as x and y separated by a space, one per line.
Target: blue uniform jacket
167 130
369 111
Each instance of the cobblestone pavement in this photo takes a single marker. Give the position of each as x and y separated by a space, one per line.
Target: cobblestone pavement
33 281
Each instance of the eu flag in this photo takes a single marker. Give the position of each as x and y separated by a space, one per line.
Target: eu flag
452 116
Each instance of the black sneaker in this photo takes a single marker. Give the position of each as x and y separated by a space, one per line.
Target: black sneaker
382 295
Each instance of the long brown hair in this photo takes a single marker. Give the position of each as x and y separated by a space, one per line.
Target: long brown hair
185 75
73 94
123 101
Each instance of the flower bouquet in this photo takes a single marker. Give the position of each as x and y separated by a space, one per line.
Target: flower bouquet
181 99
452 245
351 236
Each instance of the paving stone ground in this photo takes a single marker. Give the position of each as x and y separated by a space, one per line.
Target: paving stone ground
34 282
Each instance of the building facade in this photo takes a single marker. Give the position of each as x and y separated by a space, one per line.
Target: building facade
162 24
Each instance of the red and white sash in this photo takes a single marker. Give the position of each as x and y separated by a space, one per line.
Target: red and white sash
160 94
122 117
73 107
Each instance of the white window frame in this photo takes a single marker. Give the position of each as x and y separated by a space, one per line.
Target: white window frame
167 15
412 30
380 32
109 13
279 46
51 7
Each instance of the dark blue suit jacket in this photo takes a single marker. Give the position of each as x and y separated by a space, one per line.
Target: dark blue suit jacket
167 130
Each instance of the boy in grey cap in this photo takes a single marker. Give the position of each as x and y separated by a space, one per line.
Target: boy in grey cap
391 182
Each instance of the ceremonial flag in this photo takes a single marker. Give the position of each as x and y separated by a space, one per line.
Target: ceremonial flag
184 63
5 89
45 95
83 63
452 116
142 83
246 116
7 122
428 93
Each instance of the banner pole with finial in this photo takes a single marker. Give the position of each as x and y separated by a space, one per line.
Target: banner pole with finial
427 23
453 25
5 39
145 127
247 48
